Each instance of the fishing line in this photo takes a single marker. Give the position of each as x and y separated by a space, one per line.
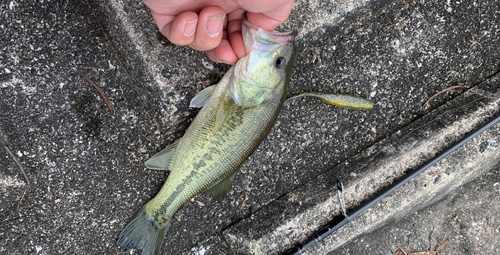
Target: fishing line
340 191
342 220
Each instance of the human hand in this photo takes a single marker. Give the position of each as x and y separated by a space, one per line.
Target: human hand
214 26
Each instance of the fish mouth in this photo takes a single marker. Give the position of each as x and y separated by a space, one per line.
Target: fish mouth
284 37
253 36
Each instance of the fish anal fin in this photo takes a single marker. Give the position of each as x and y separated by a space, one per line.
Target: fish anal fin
162 159
202 97
219 190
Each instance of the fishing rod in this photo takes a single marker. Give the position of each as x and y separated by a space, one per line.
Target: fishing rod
340 221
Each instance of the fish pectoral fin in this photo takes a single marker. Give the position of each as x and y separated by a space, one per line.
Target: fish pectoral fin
219 190
222 113
202 97
342 100
162 159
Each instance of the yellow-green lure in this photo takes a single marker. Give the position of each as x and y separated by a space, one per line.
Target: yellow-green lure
342 100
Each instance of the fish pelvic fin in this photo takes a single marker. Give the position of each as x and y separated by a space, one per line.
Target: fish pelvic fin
144 233
219 190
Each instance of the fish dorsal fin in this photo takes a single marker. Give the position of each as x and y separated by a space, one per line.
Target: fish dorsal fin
222 113
162 159
202 97
219 190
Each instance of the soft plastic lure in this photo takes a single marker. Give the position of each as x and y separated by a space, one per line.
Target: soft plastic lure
342 100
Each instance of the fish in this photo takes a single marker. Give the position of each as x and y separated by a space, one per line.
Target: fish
236 115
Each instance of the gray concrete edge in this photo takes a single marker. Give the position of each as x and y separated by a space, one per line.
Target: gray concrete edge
297 215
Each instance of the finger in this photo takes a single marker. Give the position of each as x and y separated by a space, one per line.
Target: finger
235 36
237 44
267 16
234 25
162 19
208 33
181 30
223 53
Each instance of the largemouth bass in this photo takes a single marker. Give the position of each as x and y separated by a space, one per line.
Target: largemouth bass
236 115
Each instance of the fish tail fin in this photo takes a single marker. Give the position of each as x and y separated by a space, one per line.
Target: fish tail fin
144 233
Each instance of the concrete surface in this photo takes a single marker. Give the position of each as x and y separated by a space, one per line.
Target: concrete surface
86 166
302 212
461 221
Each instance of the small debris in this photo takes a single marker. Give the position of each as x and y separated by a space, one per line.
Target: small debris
400 250
485 145
456 215
111 108
449 170
207 64
400 26
430 239
243 203
22 196
473 42
437 180
450 89
18 164
111 66
199 203
441 244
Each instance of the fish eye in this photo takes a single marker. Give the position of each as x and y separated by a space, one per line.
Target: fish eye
280 62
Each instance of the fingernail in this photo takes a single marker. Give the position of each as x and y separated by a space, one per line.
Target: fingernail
214 25
224 62
221 61
190 27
